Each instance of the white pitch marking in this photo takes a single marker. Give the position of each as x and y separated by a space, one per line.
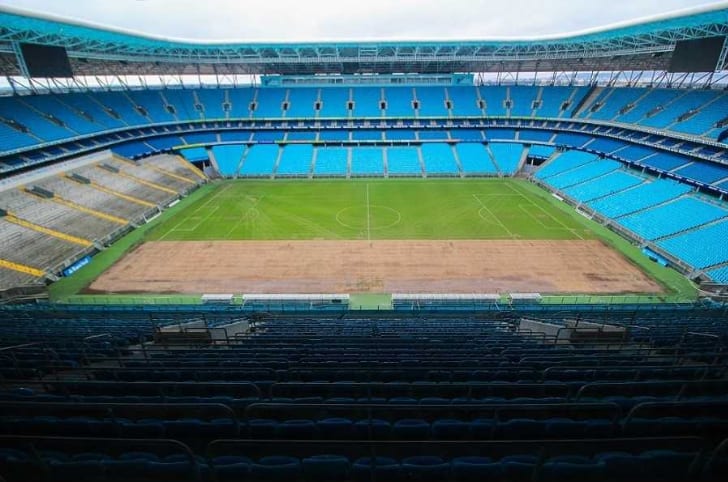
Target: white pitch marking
500 223
369 223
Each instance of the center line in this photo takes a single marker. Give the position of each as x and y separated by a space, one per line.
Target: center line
369 225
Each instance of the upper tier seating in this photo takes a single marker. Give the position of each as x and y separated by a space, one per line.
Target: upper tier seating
63 116
212 102
399 102
334 102
301 102
522 100
431 102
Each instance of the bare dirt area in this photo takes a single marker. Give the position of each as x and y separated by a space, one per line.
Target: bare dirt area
477 266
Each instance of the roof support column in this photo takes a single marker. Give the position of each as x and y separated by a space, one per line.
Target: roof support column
20 59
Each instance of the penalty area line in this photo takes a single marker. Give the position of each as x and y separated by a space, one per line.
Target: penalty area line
496 218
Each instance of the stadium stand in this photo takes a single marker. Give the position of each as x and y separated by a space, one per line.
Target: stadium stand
269 103
464 102
711 239
403 161
431 102
673 217
193 154
367 102
494 99
53 117
523 100
260 160
538 136
367 161
56 219
615 407
331 161
439 160
295 160
366 135
703 172
720 275
399 102
643 196
334 102
565 161
212 102
541 151
55 216
400 135
443 389
665 161
583 173
507 156
611 183
241 101
474 159
302 102
228 158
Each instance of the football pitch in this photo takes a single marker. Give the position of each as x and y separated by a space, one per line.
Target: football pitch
371 236
374 210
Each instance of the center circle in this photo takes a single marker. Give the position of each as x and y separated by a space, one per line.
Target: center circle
373 217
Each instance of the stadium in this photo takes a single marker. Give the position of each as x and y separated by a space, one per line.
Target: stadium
495 259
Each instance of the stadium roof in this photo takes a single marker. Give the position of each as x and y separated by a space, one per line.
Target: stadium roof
642 45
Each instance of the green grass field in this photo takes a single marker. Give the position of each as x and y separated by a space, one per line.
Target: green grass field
373 209
369 209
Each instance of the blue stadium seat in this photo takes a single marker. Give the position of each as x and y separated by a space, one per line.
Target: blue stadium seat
326 467
376 468
276 467
229 468
475 468
424 467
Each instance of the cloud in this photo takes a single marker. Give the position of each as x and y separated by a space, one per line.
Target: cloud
300 20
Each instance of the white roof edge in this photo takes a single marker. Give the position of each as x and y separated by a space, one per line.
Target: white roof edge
706 8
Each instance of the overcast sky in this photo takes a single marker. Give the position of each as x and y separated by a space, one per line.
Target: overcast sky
299 20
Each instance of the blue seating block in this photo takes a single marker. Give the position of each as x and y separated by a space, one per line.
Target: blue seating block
677 216
438 158
507 156
228 158
331 161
